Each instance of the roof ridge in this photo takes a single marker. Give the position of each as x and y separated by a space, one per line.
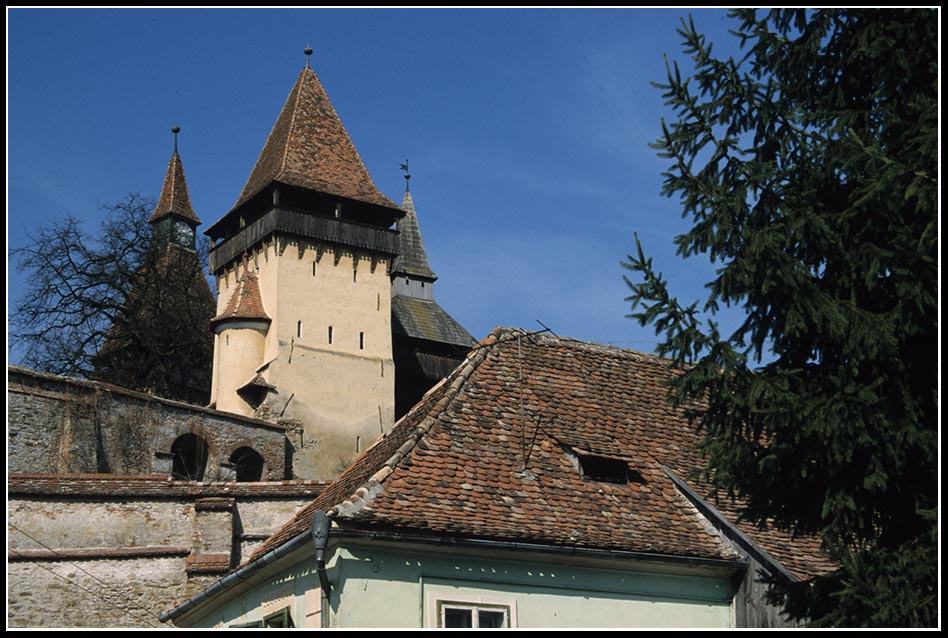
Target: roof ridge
289 131
365 493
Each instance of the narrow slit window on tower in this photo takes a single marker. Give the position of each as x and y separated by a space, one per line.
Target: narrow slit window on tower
330 334
314 269
354 275
299 329
361 341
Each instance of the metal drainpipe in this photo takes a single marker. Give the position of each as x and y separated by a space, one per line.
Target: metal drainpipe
320 533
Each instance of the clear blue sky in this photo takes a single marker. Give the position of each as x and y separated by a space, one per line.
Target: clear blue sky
527 132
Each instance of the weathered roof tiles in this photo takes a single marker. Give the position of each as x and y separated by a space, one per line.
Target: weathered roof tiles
309 147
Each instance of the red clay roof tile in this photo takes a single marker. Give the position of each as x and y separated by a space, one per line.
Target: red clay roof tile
468 461
245 302
174 198
309 147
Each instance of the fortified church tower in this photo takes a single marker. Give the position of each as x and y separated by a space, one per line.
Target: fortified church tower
303 264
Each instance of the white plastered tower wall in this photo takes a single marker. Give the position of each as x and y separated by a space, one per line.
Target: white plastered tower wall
341 391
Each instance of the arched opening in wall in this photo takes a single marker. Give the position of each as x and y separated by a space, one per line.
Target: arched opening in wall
248 464
188 458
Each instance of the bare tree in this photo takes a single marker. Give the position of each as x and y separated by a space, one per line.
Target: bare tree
124 306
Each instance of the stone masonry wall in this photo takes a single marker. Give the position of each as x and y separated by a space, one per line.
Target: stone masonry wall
57 424
85 553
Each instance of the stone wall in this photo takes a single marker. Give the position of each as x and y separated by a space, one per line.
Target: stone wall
116 550
58 424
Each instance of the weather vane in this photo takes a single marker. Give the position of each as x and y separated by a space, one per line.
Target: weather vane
175 129
308 51
404 167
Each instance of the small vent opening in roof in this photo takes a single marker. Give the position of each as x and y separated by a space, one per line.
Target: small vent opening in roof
602 469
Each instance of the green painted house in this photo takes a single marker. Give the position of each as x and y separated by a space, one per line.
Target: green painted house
542 484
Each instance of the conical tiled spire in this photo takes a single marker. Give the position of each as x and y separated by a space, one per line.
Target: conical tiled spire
412 259
174 199
309 147
246 302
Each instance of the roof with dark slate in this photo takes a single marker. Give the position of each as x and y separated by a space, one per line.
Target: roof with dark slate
310 148
412 258
425 319
245 302
469 462
174 198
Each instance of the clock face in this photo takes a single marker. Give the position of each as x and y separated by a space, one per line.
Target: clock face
183 234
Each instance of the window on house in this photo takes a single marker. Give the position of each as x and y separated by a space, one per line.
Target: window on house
607 470
281 618
462 615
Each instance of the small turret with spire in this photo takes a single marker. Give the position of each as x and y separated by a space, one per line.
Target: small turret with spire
174 220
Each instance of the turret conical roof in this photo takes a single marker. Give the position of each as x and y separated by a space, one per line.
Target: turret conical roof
246 301
174 198
412 258
309 147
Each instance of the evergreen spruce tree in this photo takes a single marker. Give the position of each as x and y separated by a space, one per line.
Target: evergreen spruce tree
809 169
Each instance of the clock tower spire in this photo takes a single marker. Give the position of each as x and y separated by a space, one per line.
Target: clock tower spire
174 220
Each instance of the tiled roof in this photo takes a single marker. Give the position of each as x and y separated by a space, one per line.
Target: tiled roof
245 302
412 258
151 486
425 319
174 198
469 462
309 147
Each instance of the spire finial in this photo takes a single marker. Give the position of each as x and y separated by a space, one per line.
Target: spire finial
175 129
308 51
404 167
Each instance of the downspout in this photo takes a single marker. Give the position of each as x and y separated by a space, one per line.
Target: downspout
319 529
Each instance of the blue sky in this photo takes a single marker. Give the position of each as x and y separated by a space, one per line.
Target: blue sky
527 133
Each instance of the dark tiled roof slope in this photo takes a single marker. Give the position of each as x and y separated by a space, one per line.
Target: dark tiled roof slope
245 302
412 258
174 198
425 319
309 147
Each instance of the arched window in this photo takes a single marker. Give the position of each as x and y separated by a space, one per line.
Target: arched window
189 458
248 463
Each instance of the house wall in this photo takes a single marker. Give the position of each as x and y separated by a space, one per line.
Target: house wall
377 586
58 424
95 559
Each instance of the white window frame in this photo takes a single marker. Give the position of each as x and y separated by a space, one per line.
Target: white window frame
439 600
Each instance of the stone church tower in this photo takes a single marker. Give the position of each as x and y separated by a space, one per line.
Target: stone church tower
163 344
303 263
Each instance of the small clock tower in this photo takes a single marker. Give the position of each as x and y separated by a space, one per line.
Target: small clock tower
174 220
161 341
